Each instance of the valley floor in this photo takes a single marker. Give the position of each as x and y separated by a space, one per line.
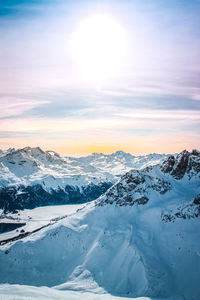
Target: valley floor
35 219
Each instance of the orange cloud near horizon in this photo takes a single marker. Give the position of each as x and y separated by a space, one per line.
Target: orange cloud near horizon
138 146
140 132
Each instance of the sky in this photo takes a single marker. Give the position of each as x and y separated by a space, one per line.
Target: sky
99 76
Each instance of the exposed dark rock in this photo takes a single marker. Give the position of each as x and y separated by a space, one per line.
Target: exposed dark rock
141 201
184 163
5 227
188 211
136 186
195 152
161 186
129 191
133 177
197 200
181 165
168 164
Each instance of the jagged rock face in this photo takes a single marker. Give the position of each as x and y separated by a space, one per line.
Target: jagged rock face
197 200
134 188
154 183
184 163
168 164
188 211
181 165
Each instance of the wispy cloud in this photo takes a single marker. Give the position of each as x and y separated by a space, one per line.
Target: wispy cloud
162 115
12 107
49 101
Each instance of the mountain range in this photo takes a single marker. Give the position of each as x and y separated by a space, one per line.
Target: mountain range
138 239
31 177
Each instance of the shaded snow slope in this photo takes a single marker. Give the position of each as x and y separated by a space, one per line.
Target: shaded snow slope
9 292
125 248
31 177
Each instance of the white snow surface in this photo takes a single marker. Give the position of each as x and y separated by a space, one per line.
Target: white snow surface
29 166
20 292
113 246
121 250
36 218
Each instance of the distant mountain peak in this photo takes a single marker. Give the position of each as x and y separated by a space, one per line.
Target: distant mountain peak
33 150
121 153
32 171
97 154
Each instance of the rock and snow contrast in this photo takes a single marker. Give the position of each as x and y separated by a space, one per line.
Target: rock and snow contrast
139 239
31 177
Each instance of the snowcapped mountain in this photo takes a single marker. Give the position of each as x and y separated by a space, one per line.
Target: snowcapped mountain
137 187
31 177
139 239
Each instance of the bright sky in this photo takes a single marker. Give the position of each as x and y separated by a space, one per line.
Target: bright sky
87 76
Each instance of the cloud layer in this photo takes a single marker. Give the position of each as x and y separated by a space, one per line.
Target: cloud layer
151 104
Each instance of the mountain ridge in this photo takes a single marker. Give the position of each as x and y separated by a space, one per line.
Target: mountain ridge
29 175
123 246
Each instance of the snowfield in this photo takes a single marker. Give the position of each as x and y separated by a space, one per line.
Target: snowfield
20 292
36 218
139 239
120 250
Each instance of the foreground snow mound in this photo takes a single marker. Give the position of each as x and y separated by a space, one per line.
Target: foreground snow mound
31 177
9 292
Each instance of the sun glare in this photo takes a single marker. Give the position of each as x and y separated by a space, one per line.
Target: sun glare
99 47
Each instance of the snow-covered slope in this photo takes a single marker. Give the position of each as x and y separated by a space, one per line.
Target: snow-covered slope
20 292
132 241
15 225
31 177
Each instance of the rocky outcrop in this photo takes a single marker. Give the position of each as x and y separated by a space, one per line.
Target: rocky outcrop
185 163
139 187
134 188
188 211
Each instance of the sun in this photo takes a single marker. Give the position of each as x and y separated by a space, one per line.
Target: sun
99 47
